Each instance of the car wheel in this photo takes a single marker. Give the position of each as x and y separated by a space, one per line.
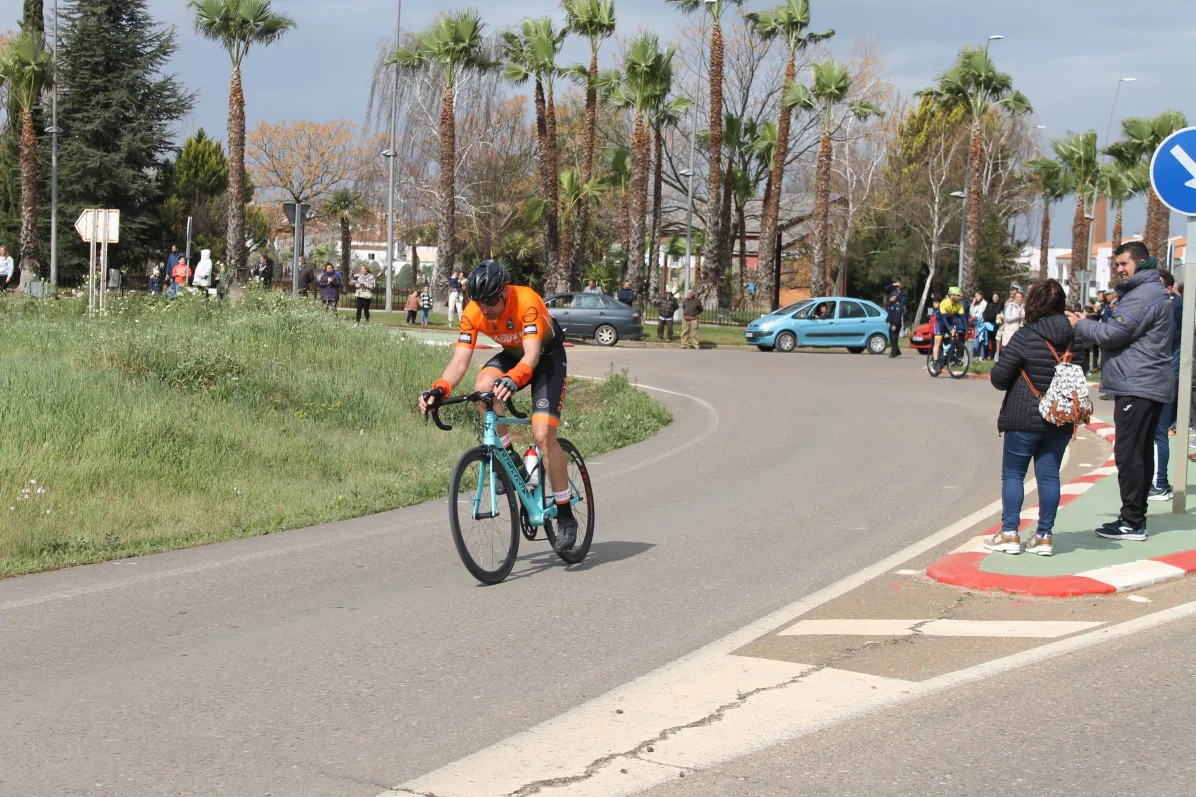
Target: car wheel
856 349
763 348
877 344
786 341
606 335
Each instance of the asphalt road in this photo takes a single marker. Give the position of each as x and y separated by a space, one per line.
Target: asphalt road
348 658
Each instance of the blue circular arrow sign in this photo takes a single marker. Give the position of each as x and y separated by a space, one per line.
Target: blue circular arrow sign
1173 171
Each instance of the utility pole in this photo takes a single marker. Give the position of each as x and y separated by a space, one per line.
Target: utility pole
54 131
390 156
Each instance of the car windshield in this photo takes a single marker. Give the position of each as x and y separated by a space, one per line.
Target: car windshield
793 308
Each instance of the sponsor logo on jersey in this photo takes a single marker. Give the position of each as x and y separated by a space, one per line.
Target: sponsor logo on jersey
510 325
542 404
531 329
465 337
530 315
466 324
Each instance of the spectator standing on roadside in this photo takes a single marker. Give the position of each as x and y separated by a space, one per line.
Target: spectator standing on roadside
172 259
7 268
330 283
894 314
156 280
626 295
667 308
991 312
307 276
691 308
454 297
1137 372
1030 358
592 287
1013 314
1160 488
179 275
412 306
425 304
363 284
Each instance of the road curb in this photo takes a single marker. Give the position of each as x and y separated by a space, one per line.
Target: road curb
962 568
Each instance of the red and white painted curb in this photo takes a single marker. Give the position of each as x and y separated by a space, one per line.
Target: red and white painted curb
962 567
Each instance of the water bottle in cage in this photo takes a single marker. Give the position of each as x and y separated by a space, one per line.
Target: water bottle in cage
531 462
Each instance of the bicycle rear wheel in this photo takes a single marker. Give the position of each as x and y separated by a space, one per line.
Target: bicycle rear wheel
485 524
959 362
583 505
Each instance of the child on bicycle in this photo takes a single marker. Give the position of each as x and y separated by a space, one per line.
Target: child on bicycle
533 352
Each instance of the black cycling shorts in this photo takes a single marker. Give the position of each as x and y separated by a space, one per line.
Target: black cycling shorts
548 382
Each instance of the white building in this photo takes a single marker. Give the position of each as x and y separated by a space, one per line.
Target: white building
375 252
1099 263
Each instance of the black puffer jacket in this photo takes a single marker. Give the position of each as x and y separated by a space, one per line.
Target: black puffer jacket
1027 350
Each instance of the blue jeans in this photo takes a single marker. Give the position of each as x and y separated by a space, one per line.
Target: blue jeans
1162 446
1046 449
423 315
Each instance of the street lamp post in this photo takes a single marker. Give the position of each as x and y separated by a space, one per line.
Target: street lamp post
1091 214
54 130
389 154
967 171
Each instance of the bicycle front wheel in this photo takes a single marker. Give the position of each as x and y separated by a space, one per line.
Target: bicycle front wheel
485 524
583 505
960 362
931 367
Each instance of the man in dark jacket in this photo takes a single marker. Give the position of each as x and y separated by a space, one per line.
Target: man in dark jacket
668 309
1136 341
626 295
894 313
690 310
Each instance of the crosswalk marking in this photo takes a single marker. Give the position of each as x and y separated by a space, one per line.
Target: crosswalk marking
1022 629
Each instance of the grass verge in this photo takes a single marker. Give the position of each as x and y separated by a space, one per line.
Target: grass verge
171 424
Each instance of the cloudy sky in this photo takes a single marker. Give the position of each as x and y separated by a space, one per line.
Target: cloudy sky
1066 55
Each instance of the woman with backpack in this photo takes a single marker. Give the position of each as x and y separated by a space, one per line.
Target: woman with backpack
1026 372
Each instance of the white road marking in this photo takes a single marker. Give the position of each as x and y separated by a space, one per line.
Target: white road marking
907 572
1135 575
1027 629
800 706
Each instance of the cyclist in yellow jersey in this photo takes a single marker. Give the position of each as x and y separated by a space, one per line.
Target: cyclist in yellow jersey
951 315
533 352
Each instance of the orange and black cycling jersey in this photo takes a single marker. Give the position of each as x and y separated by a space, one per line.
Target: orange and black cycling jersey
524 316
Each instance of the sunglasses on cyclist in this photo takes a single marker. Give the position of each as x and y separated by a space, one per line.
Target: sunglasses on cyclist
491 302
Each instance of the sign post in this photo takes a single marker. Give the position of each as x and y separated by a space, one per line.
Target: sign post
1173 178
98 228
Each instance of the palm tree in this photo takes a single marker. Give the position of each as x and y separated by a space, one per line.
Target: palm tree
713 245
454 45
531 53
1051 182
1078 156
831 88
346 206
975 84
664 113
238 25
1141 138
618 178
789 21
646 68
575 195
1129 173
26 68
595 20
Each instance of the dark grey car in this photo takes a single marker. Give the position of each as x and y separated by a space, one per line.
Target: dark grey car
592 315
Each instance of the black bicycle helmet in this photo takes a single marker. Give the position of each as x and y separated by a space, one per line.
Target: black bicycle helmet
487 281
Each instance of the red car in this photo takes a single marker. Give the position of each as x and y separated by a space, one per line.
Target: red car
921 339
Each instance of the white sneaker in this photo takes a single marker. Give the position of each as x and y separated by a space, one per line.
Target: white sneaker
1004 542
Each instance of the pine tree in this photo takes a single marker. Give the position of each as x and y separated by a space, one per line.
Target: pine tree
198 188
117 108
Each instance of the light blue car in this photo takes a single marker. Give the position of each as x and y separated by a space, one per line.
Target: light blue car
829 322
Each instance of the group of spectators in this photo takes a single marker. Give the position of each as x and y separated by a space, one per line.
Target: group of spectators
1135 330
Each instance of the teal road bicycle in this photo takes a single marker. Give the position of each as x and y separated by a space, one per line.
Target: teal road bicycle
491 504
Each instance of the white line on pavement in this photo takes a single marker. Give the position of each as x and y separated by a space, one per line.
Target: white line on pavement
1028 629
